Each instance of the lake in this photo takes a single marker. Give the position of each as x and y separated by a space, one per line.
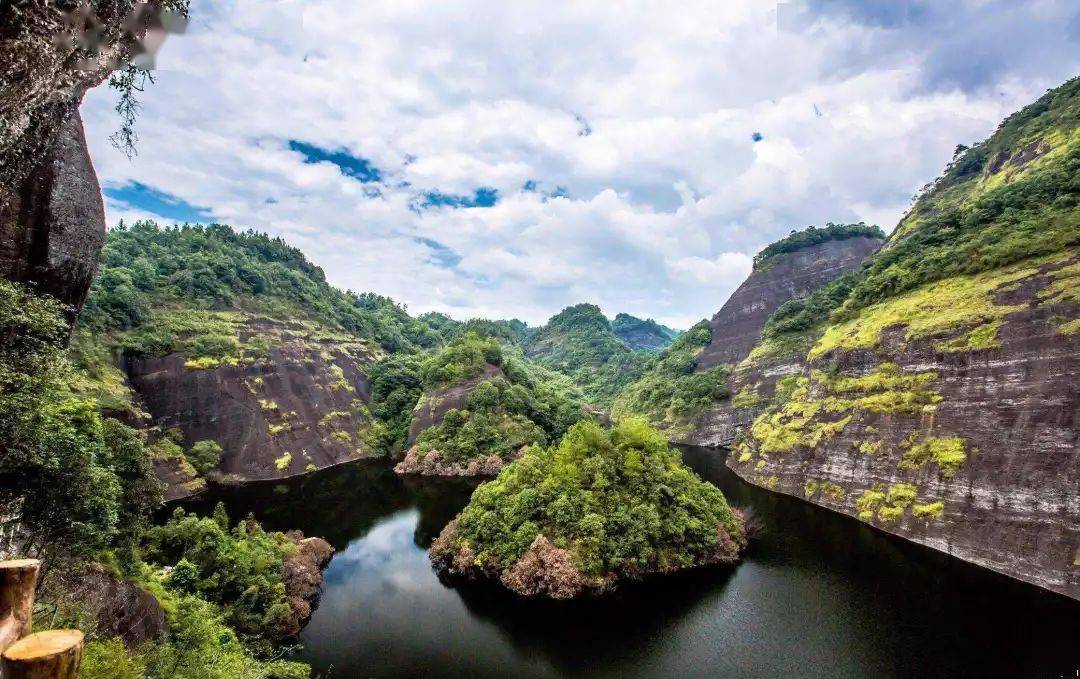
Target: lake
818 594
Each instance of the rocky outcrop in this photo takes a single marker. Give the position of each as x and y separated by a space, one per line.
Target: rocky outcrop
302 576
302 407
120 608
736 328
180 478
52 221
545 570
642 335
974 452
435 403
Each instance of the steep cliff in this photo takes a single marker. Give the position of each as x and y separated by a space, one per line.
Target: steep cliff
790 274
234 342
302 406
52 221
935 394
712 382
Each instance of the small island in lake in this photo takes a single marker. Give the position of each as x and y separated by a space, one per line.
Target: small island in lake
600 508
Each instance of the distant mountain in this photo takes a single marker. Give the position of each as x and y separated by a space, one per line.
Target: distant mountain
642 335
579 342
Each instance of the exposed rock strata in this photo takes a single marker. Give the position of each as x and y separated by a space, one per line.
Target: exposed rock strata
736 328
121 608
434 404
1013 505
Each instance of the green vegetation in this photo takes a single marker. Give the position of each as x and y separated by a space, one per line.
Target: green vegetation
524 405
396 385
204 456
941 309
494 422
85 480
87 490
620 502
949 454
821 406
238 570
642 335
463 359
932 510
973 220
810 236
670 388
579 342
146 268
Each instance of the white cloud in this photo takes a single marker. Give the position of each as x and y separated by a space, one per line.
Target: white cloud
668 197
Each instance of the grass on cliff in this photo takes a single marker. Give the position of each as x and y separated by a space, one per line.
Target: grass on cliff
620 501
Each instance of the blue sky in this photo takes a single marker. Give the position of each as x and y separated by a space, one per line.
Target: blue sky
557 153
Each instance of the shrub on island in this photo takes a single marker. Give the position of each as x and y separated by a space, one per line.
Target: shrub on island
601 507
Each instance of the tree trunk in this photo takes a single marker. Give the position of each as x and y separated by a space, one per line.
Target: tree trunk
17 582
54 654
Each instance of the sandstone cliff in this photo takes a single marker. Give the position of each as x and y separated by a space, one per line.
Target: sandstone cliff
301 407
735 330
940 400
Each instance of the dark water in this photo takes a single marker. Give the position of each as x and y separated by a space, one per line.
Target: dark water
817 595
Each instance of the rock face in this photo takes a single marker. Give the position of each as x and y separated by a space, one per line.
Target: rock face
52 221
794 275
121 608
736 329
988 470
303 407
642 335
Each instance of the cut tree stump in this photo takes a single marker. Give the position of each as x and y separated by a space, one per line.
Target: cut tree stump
17 582
54 654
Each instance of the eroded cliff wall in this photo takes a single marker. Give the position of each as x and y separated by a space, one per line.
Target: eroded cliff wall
939 399
302 406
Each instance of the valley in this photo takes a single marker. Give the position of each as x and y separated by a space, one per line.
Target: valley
215 462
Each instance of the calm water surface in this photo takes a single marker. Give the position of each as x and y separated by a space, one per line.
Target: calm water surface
817 595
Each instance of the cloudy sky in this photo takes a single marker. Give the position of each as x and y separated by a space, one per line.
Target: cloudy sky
506 159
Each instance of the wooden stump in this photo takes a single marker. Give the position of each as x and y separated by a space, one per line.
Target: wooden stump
17 582
54 654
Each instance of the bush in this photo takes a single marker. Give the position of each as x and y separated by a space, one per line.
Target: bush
204 456
239 570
